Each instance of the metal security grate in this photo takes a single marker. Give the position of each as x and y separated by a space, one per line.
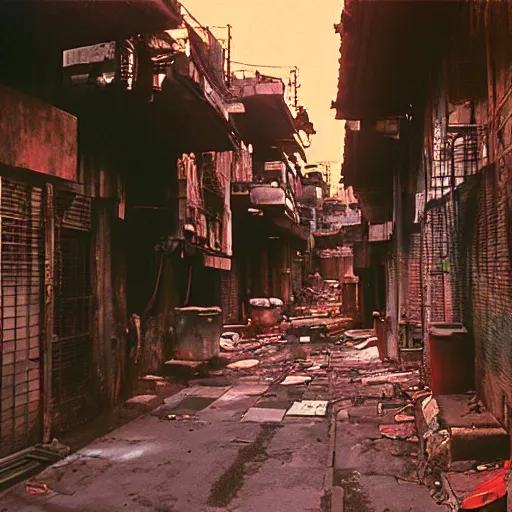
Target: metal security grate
72 402
456 157
21 286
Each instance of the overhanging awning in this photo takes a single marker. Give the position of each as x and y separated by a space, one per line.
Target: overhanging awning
388 50
196 125
73 23
267 122
368 167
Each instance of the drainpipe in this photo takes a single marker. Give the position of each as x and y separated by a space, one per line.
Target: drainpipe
49 303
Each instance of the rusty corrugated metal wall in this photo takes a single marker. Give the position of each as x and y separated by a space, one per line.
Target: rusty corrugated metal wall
73 401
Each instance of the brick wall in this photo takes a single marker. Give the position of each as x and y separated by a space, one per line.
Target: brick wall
492 289
440 294
440 269
230 294
414 279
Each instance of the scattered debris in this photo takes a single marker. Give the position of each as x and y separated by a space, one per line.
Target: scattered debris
229 341
244 363
388 377
308 408
37 488
141 399
292 380
359 334
398 431
28 462
176 417
264 415
367 354
404 418
461 486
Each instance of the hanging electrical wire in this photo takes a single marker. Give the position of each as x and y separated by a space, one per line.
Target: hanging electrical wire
262 65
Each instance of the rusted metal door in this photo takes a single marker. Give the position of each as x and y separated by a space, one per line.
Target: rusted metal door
72 385
21 278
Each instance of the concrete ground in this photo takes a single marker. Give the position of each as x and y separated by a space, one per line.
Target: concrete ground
226 443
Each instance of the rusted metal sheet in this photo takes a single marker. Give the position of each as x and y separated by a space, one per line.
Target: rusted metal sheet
37 136
217 262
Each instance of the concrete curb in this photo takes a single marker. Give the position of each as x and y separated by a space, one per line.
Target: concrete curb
336 493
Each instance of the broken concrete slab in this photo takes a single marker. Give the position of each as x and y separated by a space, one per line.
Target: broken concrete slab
264 415
308 408
235 401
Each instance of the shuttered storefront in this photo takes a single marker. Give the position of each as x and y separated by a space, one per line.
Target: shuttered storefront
21 225
72 380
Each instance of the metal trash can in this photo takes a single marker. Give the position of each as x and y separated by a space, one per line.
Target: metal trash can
198 332
452 361
265 313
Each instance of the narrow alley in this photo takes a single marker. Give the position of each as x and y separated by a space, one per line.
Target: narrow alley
254 436
254 256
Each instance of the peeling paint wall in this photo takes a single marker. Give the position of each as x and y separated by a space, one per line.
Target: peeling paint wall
37 136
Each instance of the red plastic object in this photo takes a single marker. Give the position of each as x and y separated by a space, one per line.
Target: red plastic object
451 359
489 492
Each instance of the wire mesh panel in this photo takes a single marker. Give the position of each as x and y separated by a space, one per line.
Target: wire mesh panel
72 401
21 285
456 156
442 293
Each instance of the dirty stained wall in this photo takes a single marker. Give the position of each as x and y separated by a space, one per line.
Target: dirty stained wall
30 130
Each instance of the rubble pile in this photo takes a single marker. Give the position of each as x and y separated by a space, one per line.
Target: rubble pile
320 292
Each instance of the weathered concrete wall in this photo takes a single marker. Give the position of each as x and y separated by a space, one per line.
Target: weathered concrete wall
37 136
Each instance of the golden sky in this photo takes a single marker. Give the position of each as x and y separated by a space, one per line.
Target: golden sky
288 33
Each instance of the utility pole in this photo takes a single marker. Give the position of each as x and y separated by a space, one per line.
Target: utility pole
296 86
228 81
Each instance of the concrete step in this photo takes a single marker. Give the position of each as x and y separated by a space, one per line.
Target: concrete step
450 433
472 436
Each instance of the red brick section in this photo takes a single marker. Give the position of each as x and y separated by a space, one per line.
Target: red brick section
492 290
439 292
230 294
414 279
